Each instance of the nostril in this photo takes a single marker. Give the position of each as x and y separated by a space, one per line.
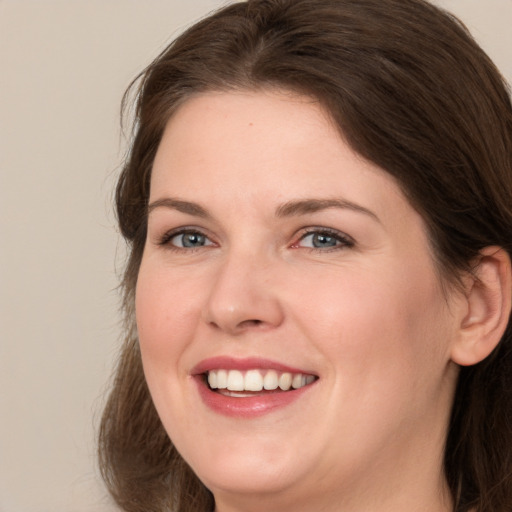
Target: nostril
240 326
250 323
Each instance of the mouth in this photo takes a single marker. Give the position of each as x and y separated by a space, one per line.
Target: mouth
250 387
240 384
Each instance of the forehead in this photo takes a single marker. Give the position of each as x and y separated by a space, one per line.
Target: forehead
268 145
210 120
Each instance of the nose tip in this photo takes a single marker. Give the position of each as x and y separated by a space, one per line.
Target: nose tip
243 299
244 316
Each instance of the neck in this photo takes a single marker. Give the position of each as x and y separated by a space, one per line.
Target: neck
403 496
411 478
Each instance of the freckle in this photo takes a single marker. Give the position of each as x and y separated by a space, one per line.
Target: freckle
251 124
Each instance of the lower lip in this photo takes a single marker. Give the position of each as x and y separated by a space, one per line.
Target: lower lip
247 407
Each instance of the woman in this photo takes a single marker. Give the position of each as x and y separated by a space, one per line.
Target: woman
318 203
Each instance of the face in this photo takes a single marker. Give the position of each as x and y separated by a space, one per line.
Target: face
295 277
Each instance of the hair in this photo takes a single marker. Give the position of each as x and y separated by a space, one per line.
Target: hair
409 90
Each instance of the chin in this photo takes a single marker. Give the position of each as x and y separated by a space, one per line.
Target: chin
245 467
247 478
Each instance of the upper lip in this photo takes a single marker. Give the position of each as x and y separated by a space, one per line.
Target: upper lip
244 364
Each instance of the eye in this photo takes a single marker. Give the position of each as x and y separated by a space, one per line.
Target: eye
324 239
186 239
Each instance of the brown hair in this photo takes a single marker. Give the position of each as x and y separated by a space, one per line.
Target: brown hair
410 91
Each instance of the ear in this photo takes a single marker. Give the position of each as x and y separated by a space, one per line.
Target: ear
487 307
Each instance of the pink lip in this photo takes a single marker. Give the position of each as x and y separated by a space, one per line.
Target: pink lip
249 363
245 407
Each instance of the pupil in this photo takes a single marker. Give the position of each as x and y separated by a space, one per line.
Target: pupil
193 240
323 241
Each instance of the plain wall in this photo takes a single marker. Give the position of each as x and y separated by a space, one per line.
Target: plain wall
64 65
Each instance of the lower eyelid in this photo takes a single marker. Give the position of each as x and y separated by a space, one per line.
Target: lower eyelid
165 239
342 239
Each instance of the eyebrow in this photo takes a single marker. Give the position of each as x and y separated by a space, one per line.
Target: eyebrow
305 206
288 209
179 205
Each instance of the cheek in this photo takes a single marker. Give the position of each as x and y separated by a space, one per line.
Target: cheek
391 327
167 314
385 342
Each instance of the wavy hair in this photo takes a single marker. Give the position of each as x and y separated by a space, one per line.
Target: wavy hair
410 91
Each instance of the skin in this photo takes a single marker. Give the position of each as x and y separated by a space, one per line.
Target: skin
367 315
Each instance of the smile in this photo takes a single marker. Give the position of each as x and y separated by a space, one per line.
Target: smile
250 387
255 380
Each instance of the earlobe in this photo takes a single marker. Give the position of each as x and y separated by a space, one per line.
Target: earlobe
488 303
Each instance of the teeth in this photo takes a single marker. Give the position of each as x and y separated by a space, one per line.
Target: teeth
222 379
257 380
271 380
253 381
285 381
213 380
297 381
235 381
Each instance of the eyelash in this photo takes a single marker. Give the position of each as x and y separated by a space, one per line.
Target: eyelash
169 235
343 240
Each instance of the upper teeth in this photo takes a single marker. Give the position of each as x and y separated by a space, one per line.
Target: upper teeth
256 380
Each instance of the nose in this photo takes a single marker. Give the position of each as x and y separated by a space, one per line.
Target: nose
244 296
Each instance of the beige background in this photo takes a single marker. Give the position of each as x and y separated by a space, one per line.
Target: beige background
63 67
